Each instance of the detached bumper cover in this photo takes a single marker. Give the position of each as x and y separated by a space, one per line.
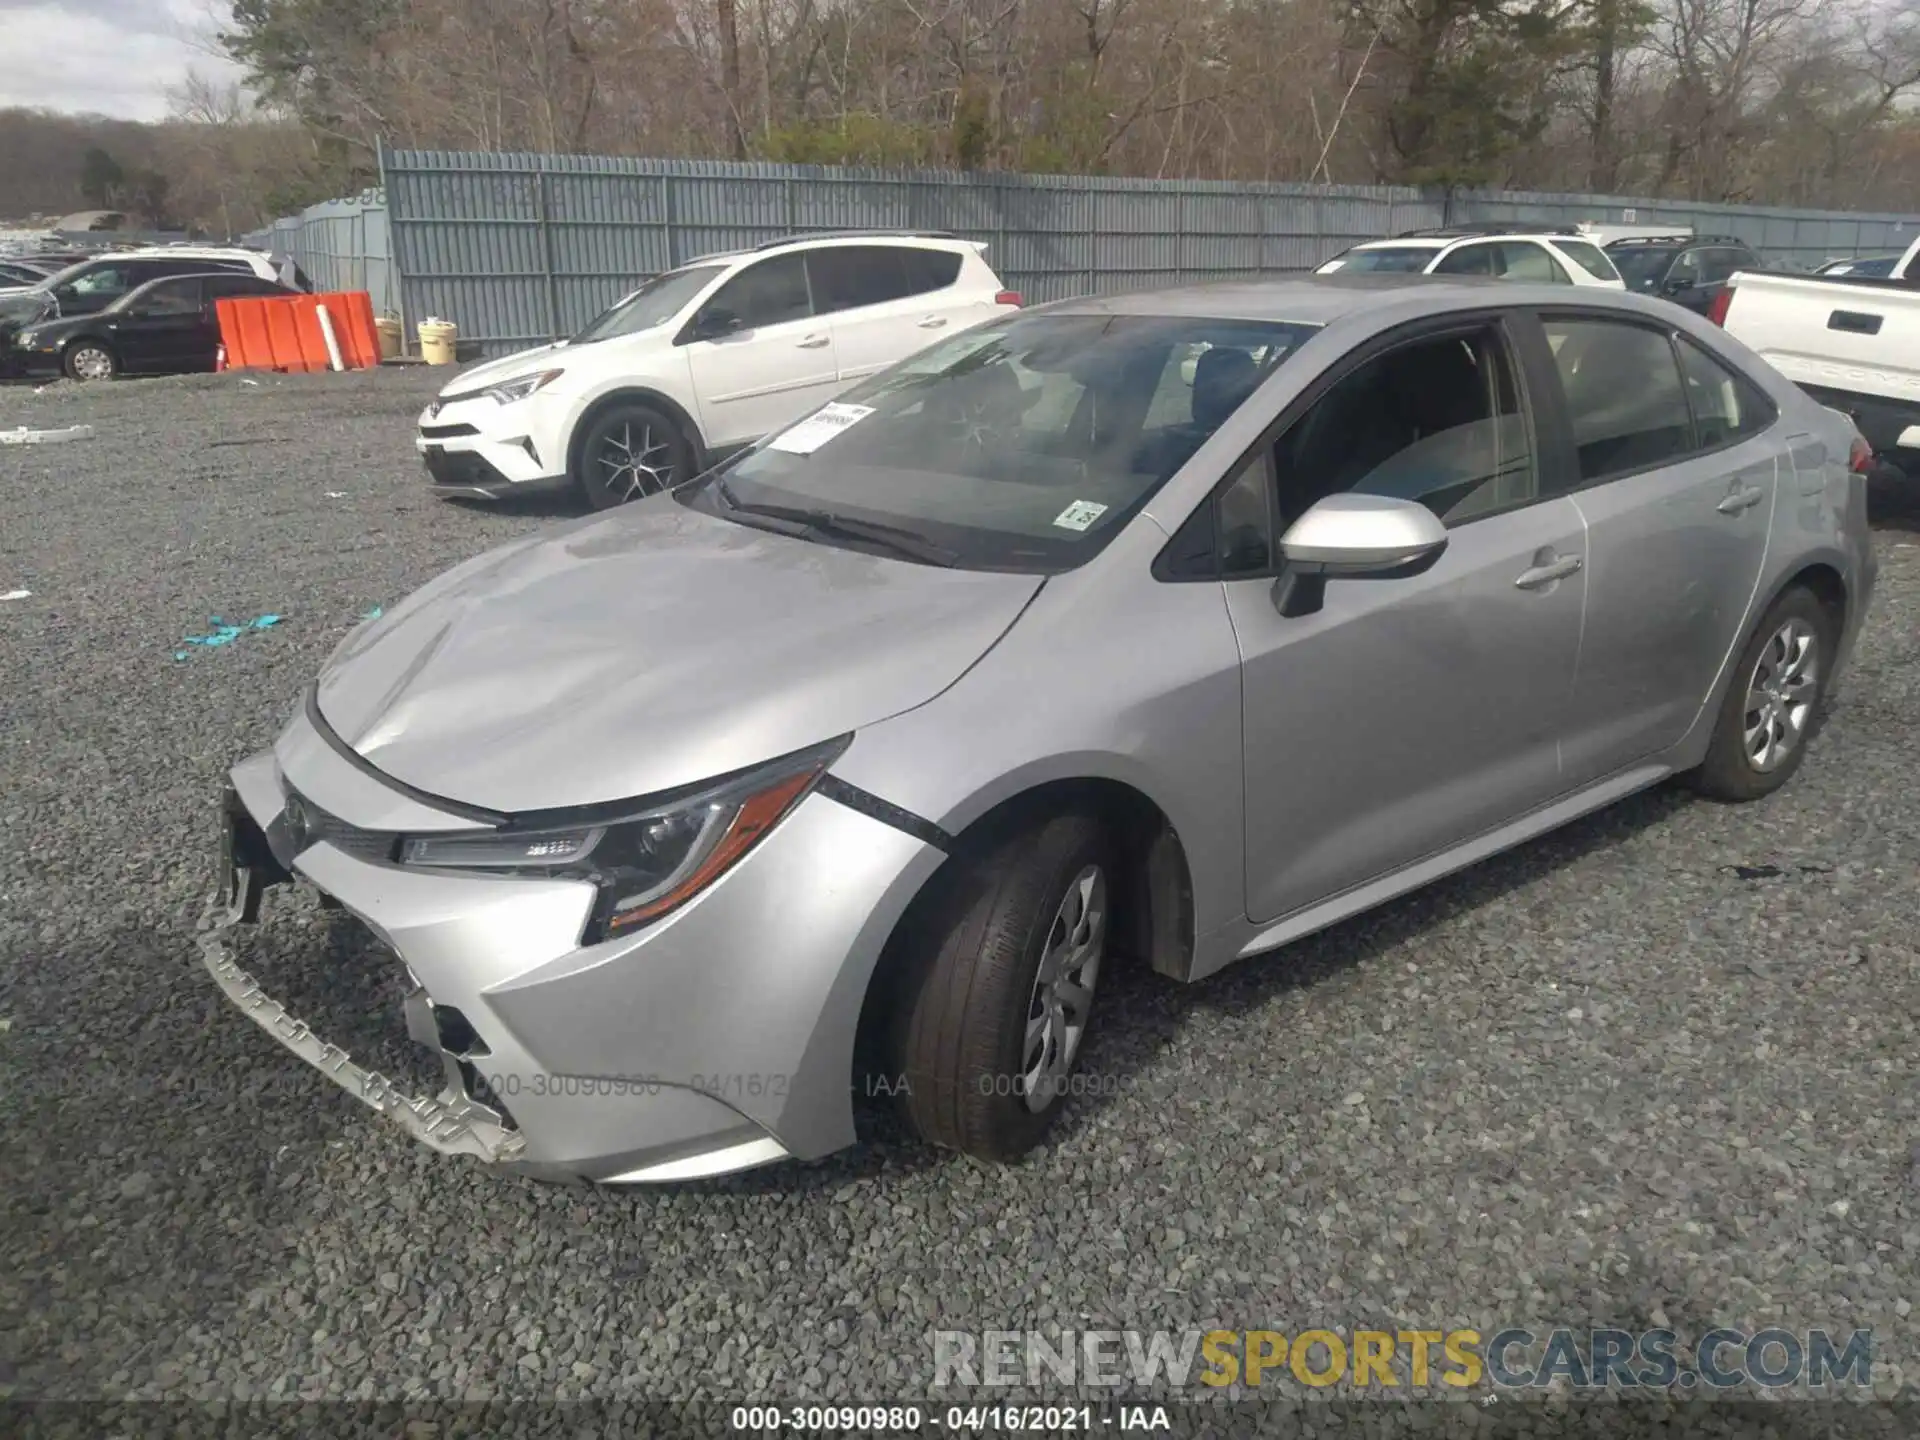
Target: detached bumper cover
449 1123
717 1038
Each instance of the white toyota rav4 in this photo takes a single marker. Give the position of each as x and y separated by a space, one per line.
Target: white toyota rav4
701 361
1540 255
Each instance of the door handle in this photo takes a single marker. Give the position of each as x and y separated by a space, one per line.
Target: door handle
813 342
1540 576
931 322
1738 500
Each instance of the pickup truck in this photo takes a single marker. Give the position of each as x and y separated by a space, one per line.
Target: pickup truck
1850 341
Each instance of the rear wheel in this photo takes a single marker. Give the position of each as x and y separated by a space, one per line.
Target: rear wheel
991 1020
1773 703
631 451
90 360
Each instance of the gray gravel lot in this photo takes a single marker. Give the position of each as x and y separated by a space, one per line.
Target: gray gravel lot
1607 1079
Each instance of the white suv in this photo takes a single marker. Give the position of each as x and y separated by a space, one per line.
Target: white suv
1505 253
702 361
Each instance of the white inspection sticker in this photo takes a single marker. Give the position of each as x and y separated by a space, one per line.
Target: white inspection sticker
1079 515
818 428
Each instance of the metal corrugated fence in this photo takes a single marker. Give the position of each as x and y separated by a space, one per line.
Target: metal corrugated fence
519 249
342 245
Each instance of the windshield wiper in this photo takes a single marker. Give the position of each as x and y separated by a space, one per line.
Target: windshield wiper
897 538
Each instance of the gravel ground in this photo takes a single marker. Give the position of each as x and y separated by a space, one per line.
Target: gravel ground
1658 1067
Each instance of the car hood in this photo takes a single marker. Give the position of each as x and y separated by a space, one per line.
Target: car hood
651 648
490 372
24 305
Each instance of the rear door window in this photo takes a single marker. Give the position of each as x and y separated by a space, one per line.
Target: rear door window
846 277
1590 258
1525 260
1726 405
1468 260
1624 395
169 297
1717 265
929 270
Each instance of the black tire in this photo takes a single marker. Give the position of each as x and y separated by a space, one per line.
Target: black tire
968 989
644 434
1732 771
79 362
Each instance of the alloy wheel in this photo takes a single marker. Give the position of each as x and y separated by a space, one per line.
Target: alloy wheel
630 468
1781 694
1062 996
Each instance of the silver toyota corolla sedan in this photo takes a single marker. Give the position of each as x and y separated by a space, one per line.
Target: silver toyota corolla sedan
1163 630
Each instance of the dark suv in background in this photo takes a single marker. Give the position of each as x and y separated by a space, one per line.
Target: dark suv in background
1690 270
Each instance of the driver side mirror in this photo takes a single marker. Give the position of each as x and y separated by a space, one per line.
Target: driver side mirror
1354 537
1677 283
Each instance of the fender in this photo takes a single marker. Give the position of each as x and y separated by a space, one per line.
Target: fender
646 395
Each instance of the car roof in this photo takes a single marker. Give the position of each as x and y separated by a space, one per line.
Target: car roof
924 239
1679 241
1323 299
190 252
1441 239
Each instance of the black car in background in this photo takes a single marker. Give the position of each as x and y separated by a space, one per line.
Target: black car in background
1690 270
23 272
90 286
166 327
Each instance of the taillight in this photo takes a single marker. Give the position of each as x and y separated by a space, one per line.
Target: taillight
1009 297
1717 311
1860 456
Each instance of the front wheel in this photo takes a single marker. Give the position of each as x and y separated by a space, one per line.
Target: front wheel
991 1021
631 451
90 360
1773 702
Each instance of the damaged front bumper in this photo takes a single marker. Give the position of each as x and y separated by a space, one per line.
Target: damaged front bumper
715 1039
451 1122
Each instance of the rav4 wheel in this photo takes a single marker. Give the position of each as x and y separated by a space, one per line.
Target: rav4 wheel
90 360
630 452
1773 701
989 1026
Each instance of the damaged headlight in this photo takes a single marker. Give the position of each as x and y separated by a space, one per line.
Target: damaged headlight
643 858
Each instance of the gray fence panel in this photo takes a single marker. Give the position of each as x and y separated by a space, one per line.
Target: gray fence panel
342 245
519 249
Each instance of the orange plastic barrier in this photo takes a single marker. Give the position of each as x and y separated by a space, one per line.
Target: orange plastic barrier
283 332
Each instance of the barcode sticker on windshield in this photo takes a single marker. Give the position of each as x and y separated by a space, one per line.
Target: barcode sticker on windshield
1079 515
818 428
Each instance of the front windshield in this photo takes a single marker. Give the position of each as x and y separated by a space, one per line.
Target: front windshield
654 303
1389 259
1021 445
1642 266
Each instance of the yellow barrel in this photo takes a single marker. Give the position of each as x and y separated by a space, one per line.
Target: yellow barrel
437 341
387 327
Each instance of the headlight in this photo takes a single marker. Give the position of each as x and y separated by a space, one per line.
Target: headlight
27 338
643 858
520 387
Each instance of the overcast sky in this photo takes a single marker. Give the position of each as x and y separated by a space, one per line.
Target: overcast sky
113 57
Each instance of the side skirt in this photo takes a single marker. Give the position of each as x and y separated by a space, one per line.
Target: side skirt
1421 872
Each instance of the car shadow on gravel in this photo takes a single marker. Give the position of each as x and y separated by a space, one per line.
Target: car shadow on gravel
548 505
1894 505
1145 1013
